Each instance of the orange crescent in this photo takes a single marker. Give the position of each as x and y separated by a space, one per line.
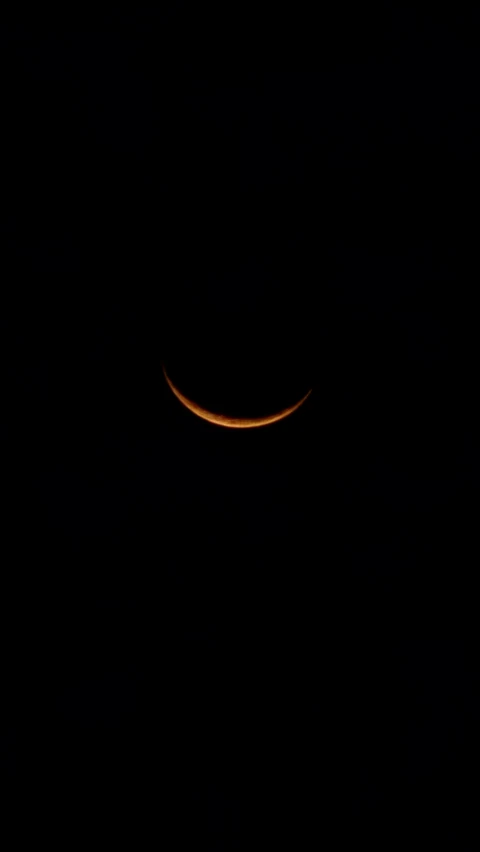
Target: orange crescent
232 422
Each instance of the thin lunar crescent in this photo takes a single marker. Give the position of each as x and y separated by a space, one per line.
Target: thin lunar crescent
232 422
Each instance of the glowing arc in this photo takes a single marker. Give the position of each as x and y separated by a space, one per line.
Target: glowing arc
232 422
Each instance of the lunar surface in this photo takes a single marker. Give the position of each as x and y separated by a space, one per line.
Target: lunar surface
232 422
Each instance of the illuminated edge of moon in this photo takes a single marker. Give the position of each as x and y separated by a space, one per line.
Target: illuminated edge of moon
232 422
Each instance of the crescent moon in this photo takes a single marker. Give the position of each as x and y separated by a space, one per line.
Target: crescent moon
232 422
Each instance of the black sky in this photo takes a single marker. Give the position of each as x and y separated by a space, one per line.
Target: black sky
225 637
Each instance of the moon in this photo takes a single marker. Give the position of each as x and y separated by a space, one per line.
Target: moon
232 422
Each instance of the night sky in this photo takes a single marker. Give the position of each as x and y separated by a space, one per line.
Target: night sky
218 638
